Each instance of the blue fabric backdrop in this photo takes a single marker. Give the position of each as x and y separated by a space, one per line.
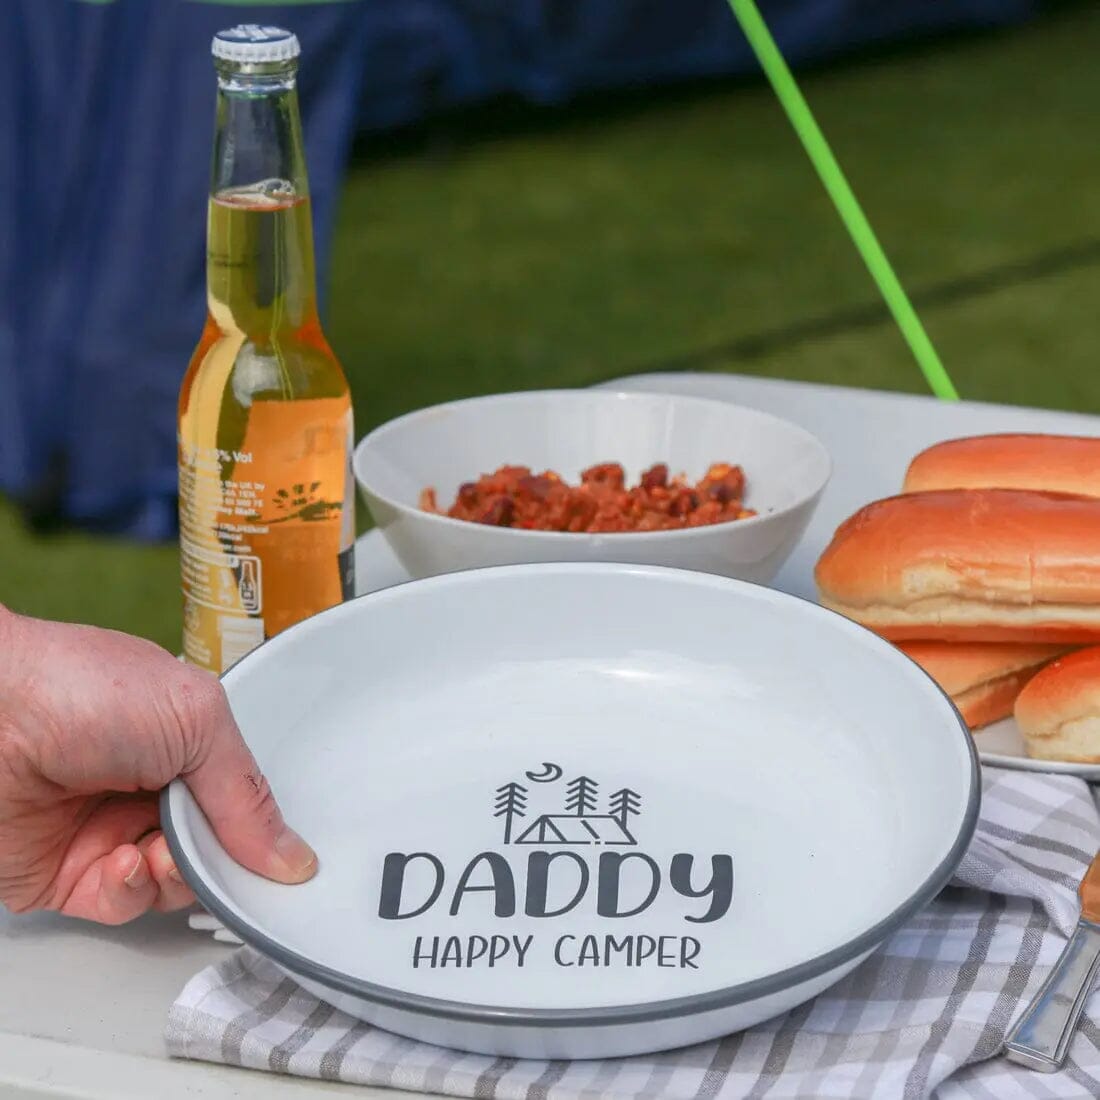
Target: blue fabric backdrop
105 124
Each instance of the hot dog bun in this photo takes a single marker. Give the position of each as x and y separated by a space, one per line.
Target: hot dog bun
1059 463
982 678
1059 710
991 565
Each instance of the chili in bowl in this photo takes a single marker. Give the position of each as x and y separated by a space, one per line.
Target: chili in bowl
602 503
592 475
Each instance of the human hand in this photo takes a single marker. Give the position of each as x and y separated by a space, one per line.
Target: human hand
93 724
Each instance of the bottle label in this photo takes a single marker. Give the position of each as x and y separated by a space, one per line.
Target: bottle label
264 527
347 529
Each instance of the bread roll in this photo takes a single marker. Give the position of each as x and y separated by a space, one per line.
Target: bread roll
979 565
1059 463
982 678
1059 710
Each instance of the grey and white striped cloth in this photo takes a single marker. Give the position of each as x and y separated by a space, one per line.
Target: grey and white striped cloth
924 1016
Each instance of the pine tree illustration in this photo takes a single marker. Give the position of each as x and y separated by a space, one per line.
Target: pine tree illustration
511 803
624 804
580 795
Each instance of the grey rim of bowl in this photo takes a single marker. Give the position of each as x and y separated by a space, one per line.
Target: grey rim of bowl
696 1004
639 536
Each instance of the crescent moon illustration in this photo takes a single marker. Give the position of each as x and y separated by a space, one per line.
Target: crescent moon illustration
549 773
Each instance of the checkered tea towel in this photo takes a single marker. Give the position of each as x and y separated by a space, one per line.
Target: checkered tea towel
925 1015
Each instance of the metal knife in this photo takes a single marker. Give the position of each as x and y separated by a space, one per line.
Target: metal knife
1040 1038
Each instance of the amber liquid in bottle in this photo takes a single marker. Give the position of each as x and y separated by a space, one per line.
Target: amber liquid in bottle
265 421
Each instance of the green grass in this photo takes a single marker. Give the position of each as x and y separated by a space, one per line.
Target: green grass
591 250
627 235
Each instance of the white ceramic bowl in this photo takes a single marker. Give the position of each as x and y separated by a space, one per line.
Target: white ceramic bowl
788 787
785 467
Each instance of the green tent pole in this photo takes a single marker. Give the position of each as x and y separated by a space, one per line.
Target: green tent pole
863 236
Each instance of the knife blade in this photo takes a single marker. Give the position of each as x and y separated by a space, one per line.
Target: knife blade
1040 1039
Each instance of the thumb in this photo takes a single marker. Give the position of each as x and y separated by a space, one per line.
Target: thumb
236 798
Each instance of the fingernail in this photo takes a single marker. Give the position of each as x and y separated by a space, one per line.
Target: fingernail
139 874
175 876
297 856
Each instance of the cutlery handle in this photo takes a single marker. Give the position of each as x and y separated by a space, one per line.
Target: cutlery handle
1040 1038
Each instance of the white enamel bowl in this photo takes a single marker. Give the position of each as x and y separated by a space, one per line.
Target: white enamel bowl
785 467
698 802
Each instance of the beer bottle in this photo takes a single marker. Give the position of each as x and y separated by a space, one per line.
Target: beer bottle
266 496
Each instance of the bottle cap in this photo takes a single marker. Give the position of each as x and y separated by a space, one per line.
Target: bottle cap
254 44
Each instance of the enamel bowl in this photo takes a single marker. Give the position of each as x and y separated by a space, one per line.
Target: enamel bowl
786 470
586 810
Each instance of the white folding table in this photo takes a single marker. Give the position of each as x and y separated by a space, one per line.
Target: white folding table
82 1007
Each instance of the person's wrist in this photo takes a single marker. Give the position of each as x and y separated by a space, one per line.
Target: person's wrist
10 651
7 639
11 664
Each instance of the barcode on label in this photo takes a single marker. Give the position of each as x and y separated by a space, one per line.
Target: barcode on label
239 636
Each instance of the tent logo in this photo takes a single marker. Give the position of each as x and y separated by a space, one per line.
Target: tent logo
580 821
